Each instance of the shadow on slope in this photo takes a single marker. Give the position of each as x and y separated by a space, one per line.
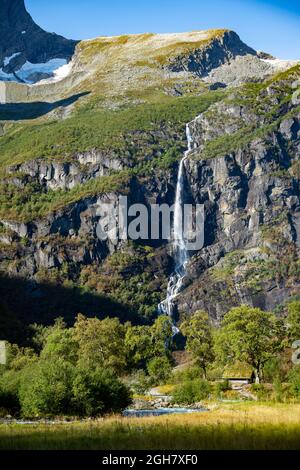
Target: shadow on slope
23 303
23 111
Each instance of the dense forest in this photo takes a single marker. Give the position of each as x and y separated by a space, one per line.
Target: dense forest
98 366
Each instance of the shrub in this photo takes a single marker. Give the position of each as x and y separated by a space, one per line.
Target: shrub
9 392
277 368
159 369
215 372
97 392
45 389
140 382
223 386
193 373
57 388
278 391
294 380
188 374
261 391
191 392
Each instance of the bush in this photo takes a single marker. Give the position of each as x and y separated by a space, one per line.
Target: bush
278 391
9 393
263 394
188 374
97 392
214 373
159 369
46 389
191 392
277 368
294 380
57 388
140 382
223 386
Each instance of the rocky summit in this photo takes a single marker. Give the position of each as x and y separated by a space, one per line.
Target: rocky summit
116 124
25 48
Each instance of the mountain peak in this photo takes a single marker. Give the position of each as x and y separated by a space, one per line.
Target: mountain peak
22 41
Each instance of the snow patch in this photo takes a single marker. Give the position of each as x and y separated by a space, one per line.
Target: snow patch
62 72
57 69
8 77
7 60
49 67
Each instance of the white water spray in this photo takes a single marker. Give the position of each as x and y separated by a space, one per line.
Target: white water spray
178 241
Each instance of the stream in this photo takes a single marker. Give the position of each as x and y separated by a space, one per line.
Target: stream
161 411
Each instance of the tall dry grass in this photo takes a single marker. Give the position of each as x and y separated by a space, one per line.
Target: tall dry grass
243 426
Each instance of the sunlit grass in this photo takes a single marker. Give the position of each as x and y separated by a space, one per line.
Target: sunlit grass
166 389
239 426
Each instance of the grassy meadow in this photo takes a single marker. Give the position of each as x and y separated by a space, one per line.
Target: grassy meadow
249 426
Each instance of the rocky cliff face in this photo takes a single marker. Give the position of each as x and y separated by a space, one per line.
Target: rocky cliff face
221 50
252 229
250 190
126 138
56 175
21 40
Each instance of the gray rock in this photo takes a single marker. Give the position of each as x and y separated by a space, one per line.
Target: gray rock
55 175
220 51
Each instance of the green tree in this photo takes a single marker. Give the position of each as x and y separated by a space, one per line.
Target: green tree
161 336
40 332
159 369
60 343
101 342
18 361
97 392
293 320
138 346
143 343
46 388
249 335
198 332
9 391
294 380
192 391
18 358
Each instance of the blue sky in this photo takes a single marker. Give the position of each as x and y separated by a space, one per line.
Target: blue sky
269 25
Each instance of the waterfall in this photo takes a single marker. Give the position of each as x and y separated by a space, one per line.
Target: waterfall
179 249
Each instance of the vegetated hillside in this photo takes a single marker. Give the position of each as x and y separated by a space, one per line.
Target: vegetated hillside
124 133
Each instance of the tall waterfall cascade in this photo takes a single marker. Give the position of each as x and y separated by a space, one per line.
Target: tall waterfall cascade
178 242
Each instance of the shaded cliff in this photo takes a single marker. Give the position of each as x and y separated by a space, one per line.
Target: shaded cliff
220 50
